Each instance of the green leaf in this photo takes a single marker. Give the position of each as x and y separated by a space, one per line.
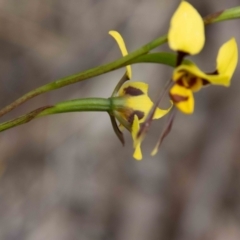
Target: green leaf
165 58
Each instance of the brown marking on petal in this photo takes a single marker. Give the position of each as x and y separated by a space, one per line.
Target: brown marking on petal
139 114
180 83
213 73
205 82
178 98
211 17
132 91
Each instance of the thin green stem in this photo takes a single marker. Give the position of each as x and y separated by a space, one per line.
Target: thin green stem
80 105
77 105
132 58
228 14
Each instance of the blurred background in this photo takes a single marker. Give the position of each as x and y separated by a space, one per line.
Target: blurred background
67 176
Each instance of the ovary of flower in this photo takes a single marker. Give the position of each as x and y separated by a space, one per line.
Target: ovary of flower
186 32
189 78
136 107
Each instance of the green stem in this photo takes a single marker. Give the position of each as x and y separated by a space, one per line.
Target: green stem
228 14
77 105
130 58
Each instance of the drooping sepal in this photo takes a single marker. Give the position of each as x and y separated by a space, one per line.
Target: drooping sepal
116 129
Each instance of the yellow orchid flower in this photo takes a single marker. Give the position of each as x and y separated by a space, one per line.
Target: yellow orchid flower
189 78
135 109
186 36
135 103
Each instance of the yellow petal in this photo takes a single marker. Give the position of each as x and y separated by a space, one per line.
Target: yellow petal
137 153
217 79
123 49
227 59
182 98
136 142
186 31
162 112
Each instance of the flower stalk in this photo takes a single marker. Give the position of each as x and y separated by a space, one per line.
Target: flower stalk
77 105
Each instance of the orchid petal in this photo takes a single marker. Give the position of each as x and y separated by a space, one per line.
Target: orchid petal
227 60
123 49
186 31
182 98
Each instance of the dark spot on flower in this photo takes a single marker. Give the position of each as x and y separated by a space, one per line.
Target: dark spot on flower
213 73
180 82
192 81
132 91
178 98
139 114
205 82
